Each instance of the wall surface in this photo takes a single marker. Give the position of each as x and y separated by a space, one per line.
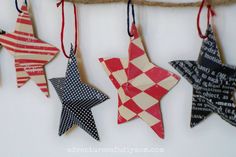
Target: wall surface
29 121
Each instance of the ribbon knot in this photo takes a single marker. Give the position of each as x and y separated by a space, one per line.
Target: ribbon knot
59 3
211 10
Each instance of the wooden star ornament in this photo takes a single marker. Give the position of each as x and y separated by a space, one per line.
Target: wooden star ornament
30 53
140 85
213 82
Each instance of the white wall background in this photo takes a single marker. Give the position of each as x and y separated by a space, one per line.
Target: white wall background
29 121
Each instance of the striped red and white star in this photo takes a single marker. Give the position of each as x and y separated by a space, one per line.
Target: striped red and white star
30 53
140 85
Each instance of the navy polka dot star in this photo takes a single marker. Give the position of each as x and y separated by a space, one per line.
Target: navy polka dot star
77 98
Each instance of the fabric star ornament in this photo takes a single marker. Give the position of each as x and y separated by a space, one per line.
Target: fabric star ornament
1 32
30 53
77 99
213 82
140 85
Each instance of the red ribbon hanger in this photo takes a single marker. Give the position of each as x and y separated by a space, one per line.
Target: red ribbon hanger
62 2
210 13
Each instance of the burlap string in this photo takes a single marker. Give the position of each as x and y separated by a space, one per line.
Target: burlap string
155 3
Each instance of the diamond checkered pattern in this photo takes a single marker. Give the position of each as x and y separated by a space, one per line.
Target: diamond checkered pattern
140 85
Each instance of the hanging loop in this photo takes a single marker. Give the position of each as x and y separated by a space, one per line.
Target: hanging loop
210 13
17 7
133 16
62 2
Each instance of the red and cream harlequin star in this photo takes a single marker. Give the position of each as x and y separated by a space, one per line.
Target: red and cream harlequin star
30 53
140 85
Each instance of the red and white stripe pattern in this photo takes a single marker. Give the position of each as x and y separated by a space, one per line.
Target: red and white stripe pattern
140 85
30 53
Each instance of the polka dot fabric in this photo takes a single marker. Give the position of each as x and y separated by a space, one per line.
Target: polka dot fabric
77 99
